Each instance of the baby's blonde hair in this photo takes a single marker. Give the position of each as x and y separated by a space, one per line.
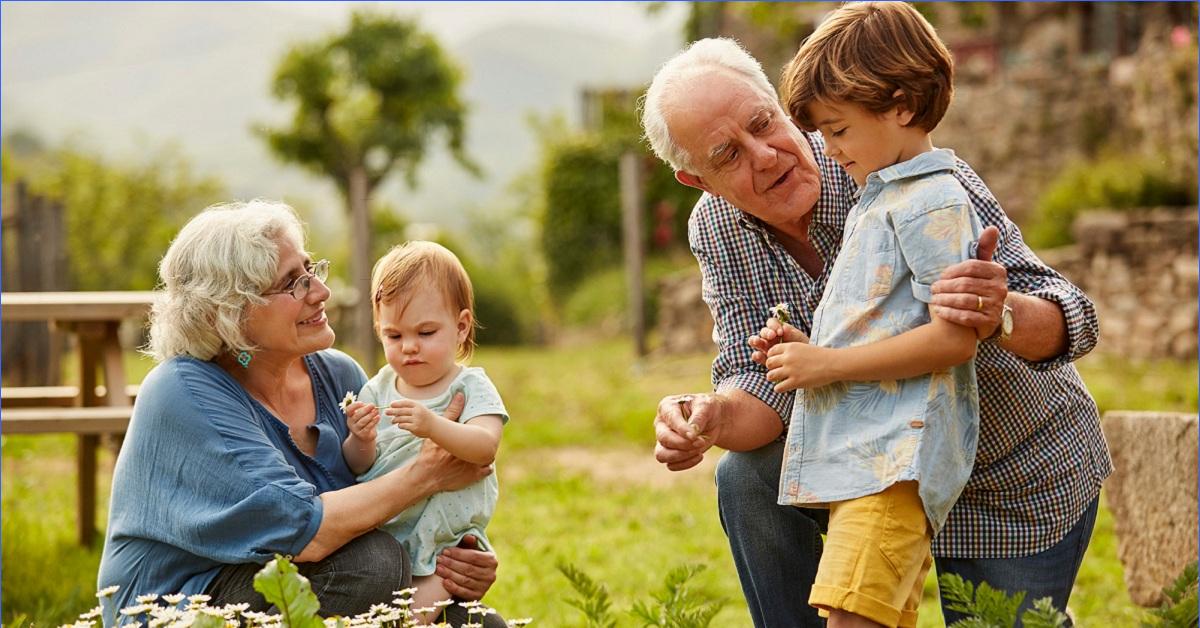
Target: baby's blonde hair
417 262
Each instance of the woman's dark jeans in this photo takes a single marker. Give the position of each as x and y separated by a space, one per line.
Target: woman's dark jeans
363 572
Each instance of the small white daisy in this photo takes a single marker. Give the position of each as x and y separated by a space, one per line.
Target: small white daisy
108 591
347 400
782 312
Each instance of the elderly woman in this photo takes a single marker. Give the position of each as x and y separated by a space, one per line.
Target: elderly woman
234 451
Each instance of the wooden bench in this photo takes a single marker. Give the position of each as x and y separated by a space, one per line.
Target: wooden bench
51 396
87 411
85 421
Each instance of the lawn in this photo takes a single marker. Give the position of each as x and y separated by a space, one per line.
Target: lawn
578 485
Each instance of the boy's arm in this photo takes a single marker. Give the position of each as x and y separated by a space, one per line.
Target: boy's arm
934 346
475 441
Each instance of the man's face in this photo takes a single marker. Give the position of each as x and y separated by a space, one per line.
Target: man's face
745 149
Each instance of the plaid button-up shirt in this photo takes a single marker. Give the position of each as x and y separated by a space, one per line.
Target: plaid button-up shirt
1041 455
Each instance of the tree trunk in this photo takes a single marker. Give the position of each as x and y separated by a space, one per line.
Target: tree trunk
364 342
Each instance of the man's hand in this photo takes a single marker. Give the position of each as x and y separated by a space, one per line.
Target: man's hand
793 365
771 335
972 293
685 427
466 571
362 418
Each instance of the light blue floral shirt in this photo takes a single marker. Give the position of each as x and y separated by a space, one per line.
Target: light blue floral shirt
852 439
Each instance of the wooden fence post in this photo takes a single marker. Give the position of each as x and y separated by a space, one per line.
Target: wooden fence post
631 215
34 261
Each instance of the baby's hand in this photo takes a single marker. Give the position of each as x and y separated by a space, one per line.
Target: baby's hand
361 418
412 416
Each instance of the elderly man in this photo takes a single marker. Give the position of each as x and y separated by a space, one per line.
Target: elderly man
766 231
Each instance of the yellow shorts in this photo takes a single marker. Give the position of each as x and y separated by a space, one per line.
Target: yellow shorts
876 557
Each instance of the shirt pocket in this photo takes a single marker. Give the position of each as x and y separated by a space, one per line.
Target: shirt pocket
871 270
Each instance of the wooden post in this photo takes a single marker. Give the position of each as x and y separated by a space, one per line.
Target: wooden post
360 261
34 261
631 214
90 356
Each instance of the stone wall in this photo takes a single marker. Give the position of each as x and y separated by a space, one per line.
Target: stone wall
684 322
1141 270
1152 496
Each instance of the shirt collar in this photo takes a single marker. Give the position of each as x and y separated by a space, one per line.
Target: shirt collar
936 160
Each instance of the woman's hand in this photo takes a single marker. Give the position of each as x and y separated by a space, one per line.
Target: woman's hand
362 419
466 571
442 471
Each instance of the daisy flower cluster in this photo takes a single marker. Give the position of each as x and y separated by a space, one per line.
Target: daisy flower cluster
154 610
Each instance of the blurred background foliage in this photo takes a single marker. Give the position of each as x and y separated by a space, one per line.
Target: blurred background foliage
547 256
1061 107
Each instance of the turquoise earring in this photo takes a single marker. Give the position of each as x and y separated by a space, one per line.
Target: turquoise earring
243 358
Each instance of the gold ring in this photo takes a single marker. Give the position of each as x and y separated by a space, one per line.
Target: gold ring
979 306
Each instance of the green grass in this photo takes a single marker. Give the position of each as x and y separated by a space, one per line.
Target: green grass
577 482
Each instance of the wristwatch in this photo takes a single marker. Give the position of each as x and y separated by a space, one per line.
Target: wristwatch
1005 328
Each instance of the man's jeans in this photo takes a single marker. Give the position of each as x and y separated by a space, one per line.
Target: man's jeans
1049 573
777 548
365 571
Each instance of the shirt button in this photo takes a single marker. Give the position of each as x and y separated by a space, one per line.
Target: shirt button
916 424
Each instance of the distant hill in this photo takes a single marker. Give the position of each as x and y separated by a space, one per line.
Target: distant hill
118 76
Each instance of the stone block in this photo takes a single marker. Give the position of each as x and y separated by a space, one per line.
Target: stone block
1152 496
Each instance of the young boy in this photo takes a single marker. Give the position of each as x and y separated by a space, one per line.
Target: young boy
888 457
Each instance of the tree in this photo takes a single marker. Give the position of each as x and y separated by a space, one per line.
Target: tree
367 102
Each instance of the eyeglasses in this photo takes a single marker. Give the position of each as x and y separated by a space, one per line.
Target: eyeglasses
300 286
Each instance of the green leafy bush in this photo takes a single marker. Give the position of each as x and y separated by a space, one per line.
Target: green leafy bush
119 217
1110 183
581 223
675 605
1180 608
986 607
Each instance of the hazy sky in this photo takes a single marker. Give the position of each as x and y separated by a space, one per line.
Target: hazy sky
117 77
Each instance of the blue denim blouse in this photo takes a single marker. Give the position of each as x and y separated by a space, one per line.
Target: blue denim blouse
208 477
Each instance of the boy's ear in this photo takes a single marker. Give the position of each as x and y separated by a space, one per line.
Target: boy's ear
904 116
693 181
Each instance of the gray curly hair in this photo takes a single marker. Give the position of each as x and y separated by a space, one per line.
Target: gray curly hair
214 271
673 77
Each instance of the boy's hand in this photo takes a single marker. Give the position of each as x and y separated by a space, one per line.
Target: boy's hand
793 365
774 333
412 416
362 418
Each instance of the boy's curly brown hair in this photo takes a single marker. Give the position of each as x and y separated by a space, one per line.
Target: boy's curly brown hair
863 54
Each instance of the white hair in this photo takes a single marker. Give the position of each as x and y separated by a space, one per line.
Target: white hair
671 82
215 269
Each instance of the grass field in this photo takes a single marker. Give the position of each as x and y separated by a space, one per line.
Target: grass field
578 484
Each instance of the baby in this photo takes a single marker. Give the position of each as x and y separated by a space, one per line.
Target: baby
424 314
